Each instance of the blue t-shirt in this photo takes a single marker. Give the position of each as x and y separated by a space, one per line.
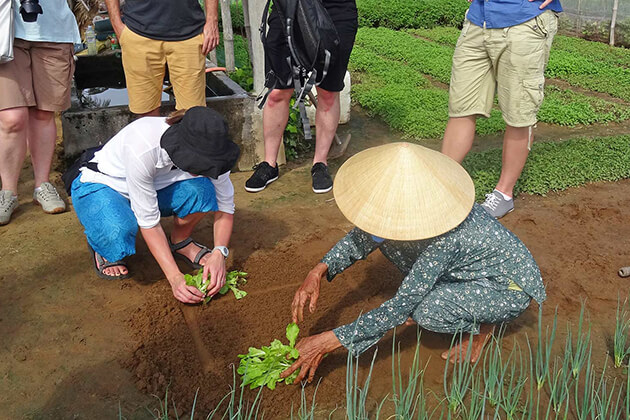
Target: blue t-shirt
56 24
505 13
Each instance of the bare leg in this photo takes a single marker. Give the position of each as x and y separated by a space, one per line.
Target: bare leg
182 229
326 122
515 151
13 131
275 117
478 342
42 133
458 137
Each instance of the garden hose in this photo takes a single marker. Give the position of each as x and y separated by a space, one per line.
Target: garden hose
624 271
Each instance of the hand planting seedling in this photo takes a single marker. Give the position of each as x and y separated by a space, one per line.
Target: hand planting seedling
263 366
233 280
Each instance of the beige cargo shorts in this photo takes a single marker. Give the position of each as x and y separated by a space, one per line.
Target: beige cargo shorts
511 61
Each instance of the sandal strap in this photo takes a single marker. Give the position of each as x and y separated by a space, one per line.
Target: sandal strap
112 264
179 245
202 252
100 260
103 264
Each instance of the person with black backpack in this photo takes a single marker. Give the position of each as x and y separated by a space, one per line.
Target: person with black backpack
308 43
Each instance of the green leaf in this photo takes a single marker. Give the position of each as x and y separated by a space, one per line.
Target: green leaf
238 294
292 332
294 353
263 367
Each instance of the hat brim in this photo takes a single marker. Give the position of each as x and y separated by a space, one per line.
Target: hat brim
194 162
403 191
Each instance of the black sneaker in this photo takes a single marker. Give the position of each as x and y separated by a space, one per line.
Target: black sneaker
264 174
322 182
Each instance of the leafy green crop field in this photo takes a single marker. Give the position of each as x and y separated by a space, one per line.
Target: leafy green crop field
400 76
555 166
397 14
590 65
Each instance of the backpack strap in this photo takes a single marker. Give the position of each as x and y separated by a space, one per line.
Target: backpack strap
264 94
326 66
299 102
263 24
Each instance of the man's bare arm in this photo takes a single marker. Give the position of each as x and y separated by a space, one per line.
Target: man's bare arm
211 28
113 9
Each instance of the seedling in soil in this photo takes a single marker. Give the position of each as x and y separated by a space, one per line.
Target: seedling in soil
543 349
462 375
514 378
233 280
622 329
579 353
260 367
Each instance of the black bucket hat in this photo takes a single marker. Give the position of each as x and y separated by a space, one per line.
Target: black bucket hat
200 143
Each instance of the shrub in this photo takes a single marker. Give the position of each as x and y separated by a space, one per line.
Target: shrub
243 75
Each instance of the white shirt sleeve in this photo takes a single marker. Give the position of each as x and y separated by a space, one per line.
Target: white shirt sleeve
140 183
225 193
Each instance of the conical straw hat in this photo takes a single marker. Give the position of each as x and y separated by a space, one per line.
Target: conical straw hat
403 191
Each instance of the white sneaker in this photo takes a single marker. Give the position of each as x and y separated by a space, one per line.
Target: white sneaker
8 204
49 199
497 205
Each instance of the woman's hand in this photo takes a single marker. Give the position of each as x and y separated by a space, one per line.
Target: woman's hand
312 350
214 272
183 293
308 290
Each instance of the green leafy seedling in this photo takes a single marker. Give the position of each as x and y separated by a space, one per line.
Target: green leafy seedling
233 281
262 367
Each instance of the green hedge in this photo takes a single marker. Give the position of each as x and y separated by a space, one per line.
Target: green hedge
397 14
556 166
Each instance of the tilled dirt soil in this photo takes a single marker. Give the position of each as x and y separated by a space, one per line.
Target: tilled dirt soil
578 237
75 346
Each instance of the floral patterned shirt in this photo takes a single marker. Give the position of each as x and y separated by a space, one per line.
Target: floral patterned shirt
480 248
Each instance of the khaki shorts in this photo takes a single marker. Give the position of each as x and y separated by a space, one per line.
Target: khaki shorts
511 61
39 75
144 63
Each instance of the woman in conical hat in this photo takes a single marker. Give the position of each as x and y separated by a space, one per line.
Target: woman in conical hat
464 271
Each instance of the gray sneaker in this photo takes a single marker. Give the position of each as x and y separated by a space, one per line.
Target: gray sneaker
49 199
8 204
497 205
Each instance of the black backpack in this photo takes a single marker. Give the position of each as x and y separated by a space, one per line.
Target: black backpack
314 44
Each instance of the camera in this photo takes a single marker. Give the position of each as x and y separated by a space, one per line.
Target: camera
29 9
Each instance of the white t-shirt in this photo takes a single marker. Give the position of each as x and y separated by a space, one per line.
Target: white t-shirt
134 164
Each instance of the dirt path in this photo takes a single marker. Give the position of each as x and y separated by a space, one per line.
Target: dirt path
75 346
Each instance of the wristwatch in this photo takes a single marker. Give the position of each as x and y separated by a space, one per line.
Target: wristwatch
223 250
